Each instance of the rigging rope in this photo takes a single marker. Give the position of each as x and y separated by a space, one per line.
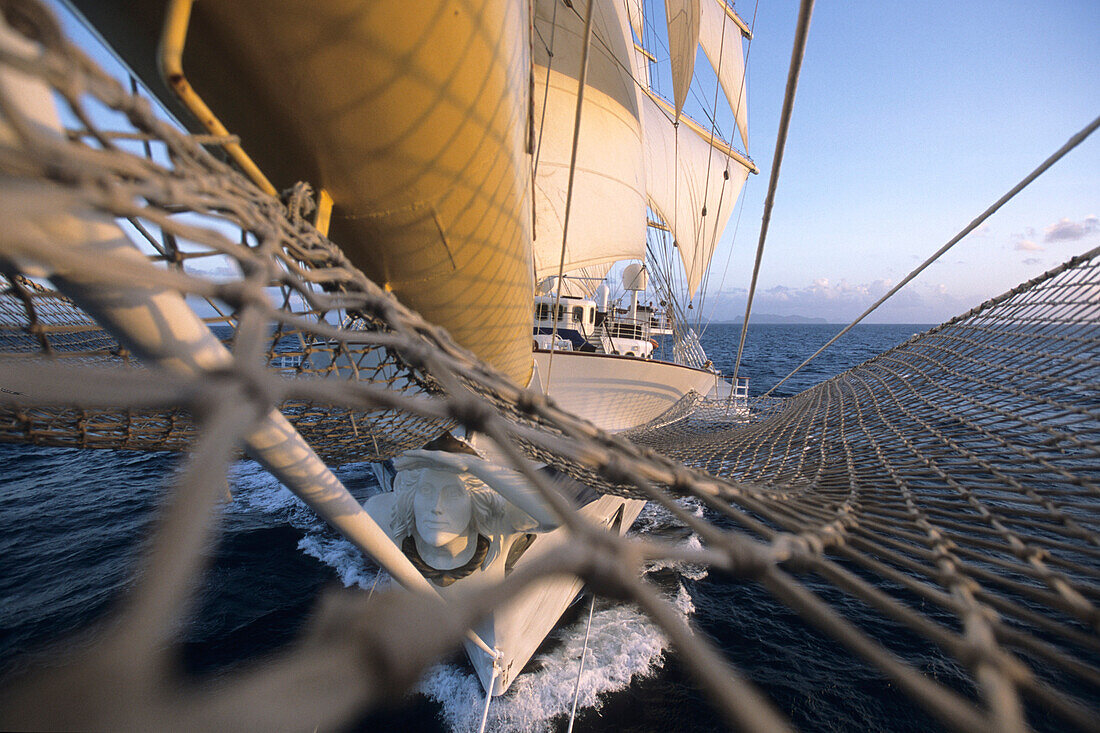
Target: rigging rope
581 80
800 36
580 664
488 699
1070 144
737 225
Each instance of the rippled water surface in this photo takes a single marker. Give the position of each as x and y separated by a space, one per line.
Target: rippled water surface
71 523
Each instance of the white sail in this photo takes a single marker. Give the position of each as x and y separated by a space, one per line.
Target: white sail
582 283
683 40
633 22
636 17
607 216
686 175
720 38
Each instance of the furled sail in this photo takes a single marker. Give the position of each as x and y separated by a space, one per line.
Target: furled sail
686 176
607 215
683 39
720 38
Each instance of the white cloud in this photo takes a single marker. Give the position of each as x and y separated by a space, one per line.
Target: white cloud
1070 231
1026 245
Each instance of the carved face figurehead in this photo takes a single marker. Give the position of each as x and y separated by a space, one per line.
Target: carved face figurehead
443 511
442 506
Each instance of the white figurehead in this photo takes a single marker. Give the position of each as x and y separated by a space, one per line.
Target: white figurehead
452 512
444 512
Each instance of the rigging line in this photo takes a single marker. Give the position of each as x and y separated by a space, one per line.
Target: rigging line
645 87
672 262
676 195
569 189
714 121
542 117
488 699
704 280
580 667
652 37
740 99
659 44
665 280
1046 164
797 52
729 257
545 91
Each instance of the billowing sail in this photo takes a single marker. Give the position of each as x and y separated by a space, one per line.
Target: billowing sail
685 176
683 39
413 116
720 38
607 218
583 283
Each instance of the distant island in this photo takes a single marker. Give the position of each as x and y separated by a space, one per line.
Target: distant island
773 318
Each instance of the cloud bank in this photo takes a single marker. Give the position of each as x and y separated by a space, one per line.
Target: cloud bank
1066 230
841 301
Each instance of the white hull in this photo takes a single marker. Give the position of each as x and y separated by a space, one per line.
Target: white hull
520 626
617 392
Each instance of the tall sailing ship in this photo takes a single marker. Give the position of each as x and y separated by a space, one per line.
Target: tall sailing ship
943 493
489 164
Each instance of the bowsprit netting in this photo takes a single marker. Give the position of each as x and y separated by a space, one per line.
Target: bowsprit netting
949 485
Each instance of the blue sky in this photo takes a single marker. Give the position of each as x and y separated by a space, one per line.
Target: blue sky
911 119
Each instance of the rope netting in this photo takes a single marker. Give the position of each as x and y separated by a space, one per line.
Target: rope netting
949 486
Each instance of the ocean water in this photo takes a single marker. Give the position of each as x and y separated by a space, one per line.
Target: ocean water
72 523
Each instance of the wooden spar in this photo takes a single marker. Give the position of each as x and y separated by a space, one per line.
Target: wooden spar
745 30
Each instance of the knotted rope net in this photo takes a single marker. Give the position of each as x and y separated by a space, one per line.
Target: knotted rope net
949 485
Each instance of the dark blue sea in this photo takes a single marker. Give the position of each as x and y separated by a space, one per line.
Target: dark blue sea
72 523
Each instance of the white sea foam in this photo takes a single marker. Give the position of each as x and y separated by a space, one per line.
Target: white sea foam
343 557
255 490
686 570
655 518
657 521
623 645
